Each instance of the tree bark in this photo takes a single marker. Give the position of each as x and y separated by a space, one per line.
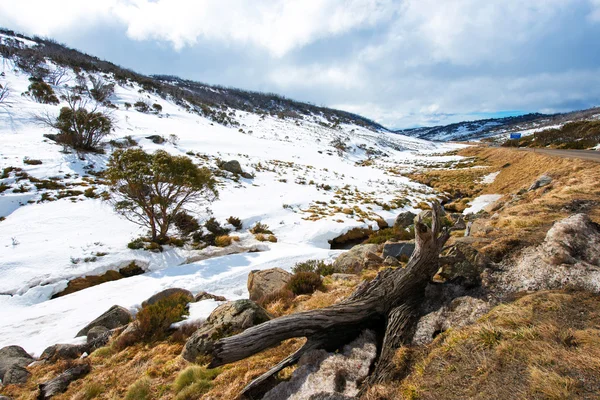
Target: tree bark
389 298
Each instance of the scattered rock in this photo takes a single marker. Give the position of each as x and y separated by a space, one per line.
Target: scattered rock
207 296
225 320
344 277
61 382
156 139
542 181
168 293
96 332
13 355
266 282
398 249
115 317
404 220
354 260
16 375
391 261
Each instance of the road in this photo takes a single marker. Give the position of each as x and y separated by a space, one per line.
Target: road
590 155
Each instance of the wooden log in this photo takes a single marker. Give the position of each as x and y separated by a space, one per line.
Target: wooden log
60 384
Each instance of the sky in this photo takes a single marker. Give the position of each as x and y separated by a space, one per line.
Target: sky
402 63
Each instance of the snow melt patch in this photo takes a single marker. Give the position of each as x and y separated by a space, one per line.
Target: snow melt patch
481 202
490 178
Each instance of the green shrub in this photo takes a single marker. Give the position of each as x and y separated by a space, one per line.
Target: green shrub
157 107
194 374
259 227
318 266
185 223
236 222
136 244
30 161
214 227
392 234
305 283
155 319
41 92
139 390
141 106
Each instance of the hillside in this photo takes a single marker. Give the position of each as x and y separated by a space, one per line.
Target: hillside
499 128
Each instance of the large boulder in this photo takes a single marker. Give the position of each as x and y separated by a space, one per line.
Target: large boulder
115 317
13 355
96 332
168 293
234 167
398 250
466 262
266 282
16 375
227 319
404 220
355 260
64 351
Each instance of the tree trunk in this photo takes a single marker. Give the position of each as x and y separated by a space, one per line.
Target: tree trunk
389 298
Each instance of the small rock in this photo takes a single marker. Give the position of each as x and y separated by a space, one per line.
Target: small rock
168 293
115 317
13 355
391 261
208 296
344 277
398 249
542 181
156 139
370 256
404 220
266 282
232 166
16 375
96 332
354 260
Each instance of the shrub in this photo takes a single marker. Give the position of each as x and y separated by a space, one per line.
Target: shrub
141 106
318 266
157 107
185 223
194 374
272 238
155 319
236 222
139 390
41 92
136 244
223 241
305 283
285 296
150 189
101 91
260 237
260 228
31 161
127 105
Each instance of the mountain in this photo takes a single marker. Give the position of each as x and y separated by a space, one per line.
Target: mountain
499 128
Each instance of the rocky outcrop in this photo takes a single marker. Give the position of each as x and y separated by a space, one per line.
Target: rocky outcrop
324 375
404 220
208 296
266 282
168 293
115 317
225 320
11 356
96 332
354 260
465 261
398 250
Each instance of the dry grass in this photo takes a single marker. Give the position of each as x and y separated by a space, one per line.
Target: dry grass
542 346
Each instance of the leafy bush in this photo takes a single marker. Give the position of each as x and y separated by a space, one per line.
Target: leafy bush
260 228
155 319
236 222
185 223
157 107
318 266
41 92
305 283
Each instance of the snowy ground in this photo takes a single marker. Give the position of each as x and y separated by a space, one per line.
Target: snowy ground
45 243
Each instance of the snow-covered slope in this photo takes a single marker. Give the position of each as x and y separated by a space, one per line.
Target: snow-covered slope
301 188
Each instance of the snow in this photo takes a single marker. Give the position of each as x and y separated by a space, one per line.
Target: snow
45 244
490 178
481 202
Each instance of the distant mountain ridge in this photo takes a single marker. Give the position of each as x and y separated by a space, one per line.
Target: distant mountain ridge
497 127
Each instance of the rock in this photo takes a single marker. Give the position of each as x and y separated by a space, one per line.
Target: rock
13 355
16 375
156 139
266 282
426 216
391 261
4 397
96 332
467 262
370 256
571 240
404 220
542 181
354 260
115 317
225 320
344 277
64 352
232 166
207 296
398 250
168 293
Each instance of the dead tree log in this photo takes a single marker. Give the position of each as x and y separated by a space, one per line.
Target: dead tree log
389 298
60 384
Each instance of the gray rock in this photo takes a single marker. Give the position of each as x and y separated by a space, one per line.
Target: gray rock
426 215
466 262
404 220
13 355
168 293
225 320
542 181
354 260
391 261
232 166
16 375
398 250
5 397
63 352
208 296
115 317
266 282
156 139
96 332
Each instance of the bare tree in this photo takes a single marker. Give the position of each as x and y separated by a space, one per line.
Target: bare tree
101 90
59 76
4 93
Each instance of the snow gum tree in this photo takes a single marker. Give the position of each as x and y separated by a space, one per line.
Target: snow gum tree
151 189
